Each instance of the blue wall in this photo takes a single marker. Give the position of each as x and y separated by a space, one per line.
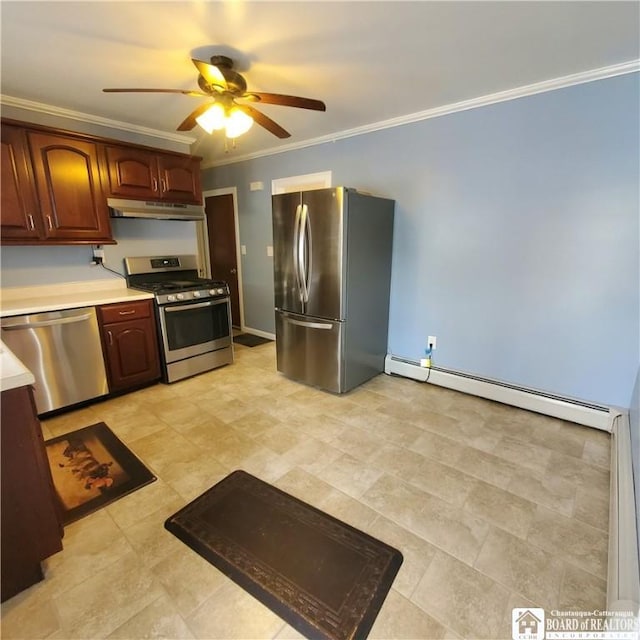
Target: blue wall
27 266
634 421
516 235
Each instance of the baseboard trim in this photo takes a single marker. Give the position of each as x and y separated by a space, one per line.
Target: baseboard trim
588 414
623 581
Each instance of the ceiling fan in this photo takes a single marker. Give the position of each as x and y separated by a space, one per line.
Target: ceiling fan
224 86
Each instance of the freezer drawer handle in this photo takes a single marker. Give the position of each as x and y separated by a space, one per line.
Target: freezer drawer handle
310 325
46 323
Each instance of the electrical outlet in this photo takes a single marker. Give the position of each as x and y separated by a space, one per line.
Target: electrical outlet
432 341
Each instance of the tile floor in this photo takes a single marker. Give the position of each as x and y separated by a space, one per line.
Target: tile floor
491 506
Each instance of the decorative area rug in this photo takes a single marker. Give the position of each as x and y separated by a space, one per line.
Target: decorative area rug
322 576
250 340
91 467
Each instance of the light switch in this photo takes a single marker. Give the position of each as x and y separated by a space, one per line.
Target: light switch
269 251
243 249
256 186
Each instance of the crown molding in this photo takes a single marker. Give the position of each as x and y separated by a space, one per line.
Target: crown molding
47 109
583 77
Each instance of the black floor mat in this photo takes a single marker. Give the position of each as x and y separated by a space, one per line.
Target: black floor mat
250 340
322 576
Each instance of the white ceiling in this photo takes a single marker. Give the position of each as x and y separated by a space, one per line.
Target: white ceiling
369 61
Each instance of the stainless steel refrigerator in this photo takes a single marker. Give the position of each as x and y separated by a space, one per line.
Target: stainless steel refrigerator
332 272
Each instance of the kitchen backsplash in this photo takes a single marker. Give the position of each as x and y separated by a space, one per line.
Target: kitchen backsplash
28 266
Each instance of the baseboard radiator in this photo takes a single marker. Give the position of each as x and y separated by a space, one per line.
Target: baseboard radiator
623 580
591 415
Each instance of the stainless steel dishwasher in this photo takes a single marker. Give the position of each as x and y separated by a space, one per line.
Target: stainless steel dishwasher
63 352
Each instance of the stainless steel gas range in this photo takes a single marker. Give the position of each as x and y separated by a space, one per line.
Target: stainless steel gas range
194 314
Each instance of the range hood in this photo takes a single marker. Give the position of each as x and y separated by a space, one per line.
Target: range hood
119 208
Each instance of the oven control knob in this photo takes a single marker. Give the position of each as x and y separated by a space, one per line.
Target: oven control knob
212 292
180 296
171 298
220 291
196 294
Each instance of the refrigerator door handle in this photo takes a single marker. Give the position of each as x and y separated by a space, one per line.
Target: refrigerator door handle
305 254
309 325
297 252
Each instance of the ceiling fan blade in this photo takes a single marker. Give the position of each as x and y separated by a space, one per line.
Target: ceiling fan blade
264 121
210 73
190 121
184 92
287 101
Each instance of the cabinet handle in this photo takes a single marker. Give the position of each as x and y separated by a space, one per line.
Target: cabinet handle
127 313
163 182
154 182
50 223
32 226
110 338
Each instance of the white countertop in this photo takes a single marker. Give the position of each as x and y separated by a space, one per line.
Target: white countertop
17 301
13 373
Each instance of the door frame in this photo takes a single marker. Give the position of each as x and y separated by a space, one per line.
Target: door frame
202 234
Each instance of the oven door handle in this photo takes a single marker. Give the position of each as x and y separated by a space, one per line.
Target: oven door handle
200 305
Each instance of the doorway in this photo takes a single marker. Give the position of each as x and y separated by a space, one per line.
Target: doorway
222 246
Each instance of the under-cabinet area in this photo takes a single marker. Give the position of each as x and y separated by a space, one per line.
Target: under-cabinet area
55 184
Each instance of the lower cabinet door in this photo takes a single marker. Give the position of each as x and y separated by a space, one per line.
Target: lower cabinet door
31 528
132 353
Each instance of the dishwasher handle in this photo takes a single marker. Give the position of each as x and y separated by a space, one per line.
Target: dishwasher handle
21 324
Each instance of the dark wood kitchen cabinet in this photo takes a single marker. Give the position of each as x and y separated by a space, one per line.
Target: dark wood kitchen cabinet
67 174
130 345
31 527
20 209
149 175
51 189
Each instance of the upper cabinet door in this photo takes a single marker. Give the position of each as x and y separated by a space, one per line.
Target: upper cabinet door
133 173
67 175
20 210
153 175
180 178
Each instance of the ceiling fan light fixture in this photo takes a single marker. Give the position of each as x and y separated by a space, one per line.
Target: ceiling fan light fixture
238 122
213 118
